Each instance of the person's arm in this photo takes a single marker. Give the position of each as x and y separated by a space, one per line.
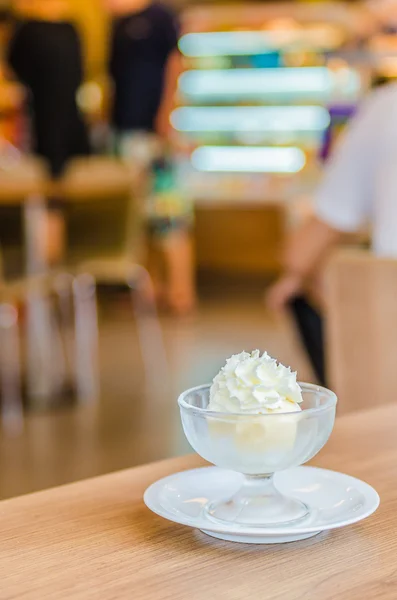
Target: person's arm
113 54
174 68
16 56
305 250
343 202
308 247
170 32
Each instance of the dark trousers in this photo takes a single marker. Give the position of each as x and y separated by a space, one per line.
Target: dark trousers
311 330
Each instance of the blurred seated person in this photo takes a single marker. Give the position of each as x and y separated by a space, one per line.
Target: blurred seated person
45 54
145 65
359 187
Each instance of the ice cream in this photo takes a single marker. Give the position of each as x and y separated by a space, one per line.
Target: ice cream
255 384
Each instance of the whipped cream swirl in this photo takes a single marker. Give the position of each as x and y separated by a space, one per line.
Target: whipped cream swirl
253 384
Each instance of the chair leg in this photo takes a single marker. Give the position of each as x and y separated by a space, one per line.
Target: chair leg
86 335
149 327
39 324
63 285
35 212
40 349
10 370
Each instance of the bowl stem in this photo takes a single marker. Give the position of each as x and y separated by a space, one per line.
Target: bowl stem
258 503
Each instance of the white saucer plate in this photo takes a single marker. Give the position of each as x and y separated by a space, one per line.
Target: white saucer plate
335 500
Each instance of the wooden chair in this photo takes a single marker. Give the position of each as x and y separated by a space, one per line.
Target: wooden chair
361 294
10 358
24 182
102 199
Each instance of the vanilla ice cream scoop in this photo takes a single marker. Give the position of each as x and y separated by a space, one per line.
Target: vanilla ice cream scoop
251 383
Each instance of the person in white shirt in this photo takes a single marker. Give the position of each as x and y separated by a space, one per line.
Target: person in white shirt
359 188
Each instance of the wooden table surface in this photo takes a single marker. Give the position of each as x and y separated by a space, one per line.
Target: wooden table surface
96 539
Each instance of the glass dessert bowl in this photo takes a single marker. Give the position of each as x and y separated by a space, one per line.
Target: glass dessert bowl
258 446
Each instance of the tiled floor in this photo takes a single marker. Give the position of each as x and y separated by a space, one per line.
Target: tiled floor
131 425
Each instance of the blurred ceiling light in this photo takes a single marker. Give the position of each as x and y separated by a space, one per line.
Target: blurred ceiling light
385 10
248 159
388 67
89 97
336 63
238 43
283 23
251 118
306 81
383 43
234 43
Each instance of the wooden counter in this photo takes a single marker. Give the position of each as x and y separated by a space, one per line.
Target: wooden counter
96 539
240 239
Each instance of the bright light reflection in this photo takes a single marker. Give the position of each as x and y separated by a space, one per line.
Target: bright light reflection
244 43
248 159
312 81
251 118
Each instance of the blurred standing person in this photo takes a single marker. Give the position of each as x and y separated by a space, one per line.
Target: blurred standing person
359 189
145 65
45 54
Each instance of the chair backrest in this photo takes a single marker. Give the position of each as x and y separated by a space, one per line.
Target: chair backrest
361 297
102 206
21 177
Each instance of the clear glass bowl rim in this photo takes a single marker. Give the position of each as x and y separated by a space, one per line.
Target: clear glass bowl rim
331 401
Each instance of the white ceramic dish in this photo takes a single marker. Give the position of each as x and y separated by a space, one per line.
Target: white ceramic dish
336 500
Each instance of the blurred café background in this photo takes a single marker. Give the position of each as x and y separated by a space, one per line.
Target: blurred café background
129 275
